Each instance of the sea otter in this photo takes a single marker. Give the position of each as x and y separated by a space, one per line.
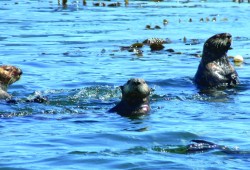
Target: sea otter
215 69
8 75
135 98
201 146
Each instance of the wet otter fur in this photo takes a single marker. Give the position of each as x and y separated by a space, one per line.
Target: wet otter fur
135 98
215 69
201 146
8 75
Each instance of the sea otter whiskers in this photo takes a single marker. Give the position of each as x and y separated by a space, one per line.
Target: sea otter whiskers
135 98
215 69
8 75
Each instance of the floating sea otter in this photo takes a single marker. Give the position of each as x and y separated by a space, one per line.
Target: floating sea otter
135 98
8 75
215 69
201 146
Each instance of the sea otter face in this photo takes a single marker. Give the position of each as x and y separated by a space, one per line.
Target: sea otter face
9 74
135 88
219 43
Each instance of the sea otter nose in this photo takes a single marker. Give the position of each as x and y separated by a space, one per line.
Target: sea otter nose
20 72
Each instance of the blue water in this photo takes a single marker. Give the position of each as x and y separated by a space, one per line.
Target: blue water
73 57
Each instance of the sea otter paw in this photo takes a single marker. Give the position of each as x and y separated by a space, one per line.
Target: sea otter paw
234 76
234 80
12 101
38 99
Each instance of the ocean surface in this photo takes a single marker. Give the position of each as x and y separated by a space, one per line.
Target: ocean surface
74 56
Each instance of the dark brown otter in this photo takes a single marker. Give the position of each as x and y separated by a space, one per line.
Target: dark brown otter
135 98
8 76
215 69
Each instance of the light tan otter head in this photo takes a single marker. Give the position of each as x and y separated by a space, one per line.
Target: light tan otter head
9 75
135 88
218 44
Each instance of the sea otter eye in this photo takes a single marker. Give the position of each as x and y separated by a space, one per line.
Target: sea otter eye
229 36
7 69
135 83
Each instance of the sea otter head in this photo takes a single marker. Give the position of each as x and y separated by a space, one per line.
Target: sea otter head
218 44
135 90
9 75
